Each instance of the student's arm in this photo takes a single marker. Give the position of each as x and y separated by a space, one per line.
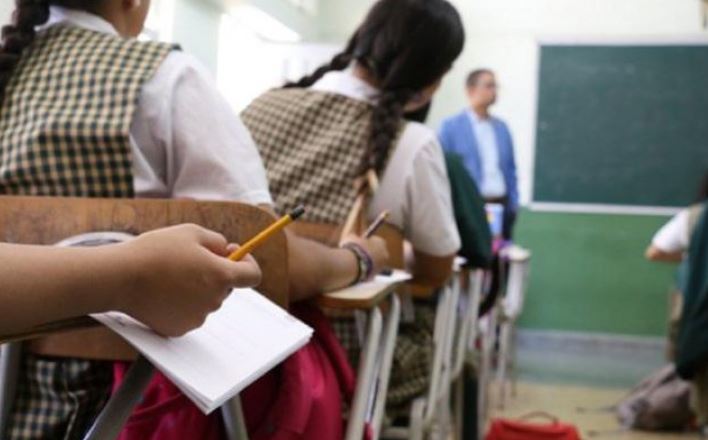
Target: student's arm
169 279
653 253
671 241
431 271
430 223
315 268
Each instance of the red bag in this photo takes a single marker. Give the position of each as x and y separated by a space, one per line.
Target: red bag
300 400
502 429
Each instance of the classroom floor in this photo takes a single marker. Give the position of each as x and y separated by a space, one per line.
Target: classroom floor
564 381
563 402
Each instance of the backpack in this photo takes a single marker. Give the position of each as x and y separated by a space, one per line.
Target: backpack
301 399
660 402
502 429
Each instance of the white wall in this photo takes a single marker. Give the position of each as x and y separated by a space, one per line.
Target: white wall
6 8
504 35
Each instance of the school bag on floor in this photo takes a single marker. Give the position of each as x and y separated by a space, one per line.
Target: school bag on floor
659 402
523 429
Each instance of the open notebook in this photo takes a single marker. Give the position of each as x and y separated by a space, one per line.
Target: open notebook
239 343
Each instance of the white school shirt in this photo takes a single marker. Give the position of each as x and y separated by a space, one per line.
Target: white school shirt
414 187
674 235
186 141
492 183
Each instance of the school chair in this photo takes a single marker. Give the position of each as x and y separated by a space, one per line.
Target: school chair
378 310
472 282
48 220
510 309
430 414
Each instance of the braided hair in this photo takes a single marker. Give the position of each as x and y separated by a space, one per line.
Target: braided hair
19 34
405 45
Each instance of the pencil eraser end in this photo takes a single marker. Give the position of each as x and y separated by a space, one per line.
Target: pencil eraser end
297 212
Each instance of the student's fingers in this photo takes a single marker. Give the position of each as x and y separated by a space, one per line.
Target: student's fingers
244 273
211 240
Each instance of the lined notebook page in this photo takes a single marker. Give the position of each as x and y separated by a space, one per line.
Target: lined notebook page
239 343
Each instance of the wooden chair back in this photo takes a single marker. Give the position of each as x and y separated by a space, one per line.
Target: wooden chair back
48 220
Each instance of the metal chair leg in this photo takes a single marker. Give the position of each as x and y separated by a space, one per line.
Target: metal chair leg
110 422
365 377
10 361
503 361
388 347
417 427
235 424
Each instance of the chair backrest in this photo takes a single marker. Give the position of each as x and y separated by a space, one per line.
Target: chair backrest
517 281
47 220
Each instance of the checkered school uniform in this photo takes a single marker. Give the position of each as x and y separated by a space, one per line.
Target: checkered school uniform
312 144
65 131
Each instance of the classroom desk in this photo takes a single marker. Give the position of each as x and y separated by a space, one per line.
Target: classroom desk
378 344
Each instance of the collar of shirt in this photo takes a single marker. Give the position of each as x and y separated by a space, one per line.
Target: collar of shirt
345 83
476 119
86 20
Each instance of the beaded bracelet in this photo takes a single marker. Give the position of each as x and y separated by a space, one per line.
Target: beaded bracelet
364 260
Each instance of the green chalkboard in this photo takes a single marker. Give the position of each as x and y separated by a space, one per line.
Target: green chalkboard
621 125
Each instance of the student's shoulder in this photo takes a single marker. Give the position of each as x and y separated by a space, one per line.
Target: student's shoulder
177 64
418 142
418 136
178 74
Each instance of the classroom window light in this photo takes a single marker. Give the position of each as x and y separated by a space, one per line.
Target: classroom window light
158 25
264 25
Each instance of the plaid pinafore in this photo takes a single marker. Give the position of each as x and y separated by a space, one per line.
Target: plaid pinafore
65 131
312 144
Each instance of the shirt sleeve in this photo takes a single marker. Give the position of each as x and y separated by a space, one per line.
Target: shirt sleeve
208 152
673 236
430 223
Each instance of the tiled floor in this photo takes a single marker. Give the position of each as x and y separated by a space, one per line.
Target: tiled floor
563 401
561 378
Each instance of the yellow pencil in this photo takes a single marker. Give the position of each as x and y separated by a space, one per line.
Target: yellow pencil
266 234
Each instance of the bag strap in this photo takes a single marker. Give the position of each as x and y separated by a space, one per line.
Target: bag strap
540 415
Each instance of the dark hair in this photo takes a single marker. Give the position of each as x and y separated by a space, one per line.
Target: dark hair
19 34
420 115
406 45
474 76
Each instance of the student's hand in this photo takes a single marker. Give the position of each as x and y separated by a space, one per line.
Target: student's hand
181 276
375 247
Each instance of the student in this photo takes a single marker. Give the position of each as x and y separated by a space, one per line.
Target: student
692 355
181 266
671 242
670 245
89 111
320 135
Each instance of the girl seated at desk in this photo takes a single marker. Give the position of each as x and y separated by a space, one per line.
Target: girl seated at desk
322 134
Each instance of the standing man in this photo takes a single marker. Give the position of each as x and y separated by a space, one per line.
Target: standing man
485 145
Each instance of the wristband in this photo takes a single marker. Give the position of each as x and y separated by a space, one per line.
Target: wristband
364 260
